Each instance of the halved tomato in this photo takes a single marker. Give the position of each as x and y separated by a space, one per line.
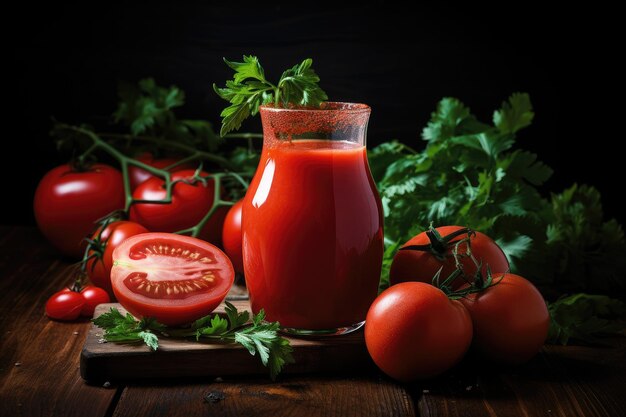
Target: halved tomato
172 278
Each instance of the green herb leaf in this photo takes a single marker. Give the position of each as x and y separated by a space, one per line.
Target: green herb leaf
584 317
149 339
391 248
148 110
258 336
249 68
112 318
298 85
249 89
469 174
125 329
235 318
515 114
216 327
274 351
146 105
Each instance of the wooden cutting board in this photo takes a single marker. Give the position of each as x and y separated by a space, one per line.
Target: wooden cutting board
187 358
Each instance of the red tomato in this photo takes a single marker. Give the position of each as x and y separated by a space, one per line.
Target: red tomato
420 265
138 175
99 269
413 331
231 236
175 279
510 319
68 203
65 305
92 297
190 202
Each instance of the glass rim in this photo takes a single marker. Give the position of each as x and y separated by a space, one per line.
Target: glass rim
325 108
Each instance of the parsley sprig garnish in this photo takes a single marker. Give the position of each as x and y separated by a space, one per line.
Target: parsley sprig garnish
249 89
256 336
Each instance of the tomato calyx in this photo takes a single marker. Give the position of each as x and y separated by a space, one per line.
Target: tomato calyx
439 245
193 180
82 163
97 244
477 283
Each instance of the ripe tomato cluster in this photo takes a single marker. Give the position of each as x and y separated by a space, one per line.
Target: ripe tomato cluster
71 201
420 327
68 304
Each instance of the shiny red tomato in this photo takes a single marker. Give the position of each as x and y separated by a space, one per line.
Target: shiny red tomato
413 331
65 305
175 279
422 265
68 203
231 236
138 175
510 319
92 297
99 268
190 203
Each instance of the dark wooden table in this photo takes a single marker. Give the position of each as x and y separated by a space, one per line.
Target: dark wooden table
39 371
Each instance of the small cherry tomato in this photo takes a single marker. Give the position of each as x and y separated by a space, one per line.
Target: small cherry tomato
92 297
65 305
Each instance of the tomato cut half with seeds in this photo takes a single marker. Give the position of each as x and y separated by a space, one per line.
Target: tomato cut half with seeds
172 278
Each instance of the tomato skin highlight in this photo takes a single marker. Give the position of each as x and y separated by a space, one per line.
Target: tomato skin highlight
232 237
155 275
138 175
413 331
510 319
190 203
67 204
65 305
99 270
421 266
92 297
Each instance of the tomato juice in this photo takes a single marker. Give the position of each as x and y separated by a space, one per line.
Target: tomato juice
313 234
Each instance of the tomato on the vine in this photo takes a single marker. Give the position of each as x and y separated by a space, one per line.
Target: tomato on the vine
432 251
231 236
191 200
138 175
414 331
511 320
175 279
68 202
65 305
92 297
98 267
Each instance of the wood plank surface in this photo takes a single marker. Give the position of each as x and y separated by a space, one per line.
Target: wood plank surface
292 396
182 357
39 370
39 358
560 381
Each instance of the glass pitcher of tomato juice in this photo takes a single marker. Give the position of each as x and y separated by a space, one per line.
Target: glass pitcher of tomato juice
312 220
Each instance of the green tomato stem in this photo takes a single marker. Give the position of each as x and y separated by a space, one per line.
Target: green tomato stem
99 144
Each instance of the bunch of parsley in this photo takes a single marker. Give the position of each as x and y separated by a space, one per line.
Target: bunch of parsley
471 173
148 110
256 335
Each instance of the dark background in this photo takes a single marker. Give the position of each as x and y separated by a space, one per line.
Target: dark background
65 62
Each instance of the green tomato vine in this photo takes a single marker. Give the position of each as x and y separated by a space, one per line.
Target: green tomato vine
98 143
